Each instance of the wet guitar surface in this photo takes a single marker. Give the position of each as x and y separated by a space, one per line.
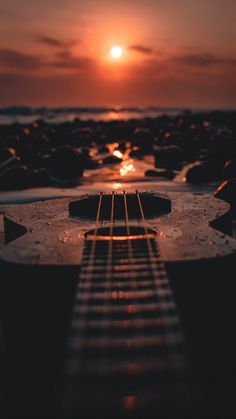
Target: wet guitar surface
125 345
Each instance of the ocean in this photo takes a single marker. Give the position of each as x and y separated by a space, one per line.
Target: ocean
26 114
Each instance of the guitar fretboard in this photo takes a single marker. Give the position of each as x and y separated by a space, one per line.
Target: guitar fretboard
125 351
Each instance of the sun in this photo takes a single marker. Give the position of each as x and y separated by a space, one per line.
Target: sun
116 52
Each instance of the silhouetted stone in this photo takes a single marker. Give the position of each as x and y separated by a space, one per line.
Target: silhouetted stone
229 171
111 160
198 173
16 177
223 146
8 158
66 163
143 135
41 177
104 149
121 147
81 136
6 153
136 152
168 174
170 157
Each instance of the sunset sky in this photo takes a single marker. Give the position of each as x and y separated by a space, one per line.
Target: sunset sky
175 53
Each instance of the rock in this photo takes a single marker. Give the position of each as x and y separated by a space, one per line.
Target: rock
223 146
111 160
66 163
167 174
198 173
16 177
136 152
144 139
227 192
103 150
216 166
169 156
229 171
88 161
81 136
122 147
41 177
6 153
8 158
142 135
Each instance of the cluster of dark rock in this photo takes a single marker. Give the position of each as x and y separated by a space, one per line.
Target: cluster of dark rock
42 154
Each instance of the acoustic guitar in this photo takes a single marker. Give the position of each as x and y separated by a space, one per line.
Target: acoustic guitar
113 330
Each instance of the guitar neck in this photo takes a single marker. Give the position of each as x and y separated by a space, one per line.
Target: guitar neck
125 352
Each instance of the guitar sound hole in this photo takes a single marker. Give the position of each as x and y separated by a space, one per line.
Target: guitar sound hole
87 207
120 233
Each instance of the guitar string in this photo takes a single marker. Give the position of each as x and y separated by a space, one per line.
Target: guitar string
91 257
76 363
157 270
108 276
171 353
86 277
130 250
131 263
109 256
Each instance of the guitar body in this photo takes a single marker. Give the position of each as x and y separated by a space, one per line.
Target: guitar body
110 306
51 233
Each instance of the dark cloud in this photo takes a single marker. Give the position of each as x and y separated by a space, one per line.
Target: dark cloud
65 60
54 42
143 49
204 60
15 59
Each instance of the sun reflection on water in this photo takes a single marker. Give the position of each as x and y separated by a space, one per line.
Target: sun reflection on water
118 154
126 164
127 167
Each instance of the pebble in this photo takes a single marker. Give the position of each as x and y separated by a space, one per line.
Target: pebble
198 173
229 171
59 153
6 153
223 146
16 177
111 160
8 158
142 135
167 174
41 177
170 157
66 163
